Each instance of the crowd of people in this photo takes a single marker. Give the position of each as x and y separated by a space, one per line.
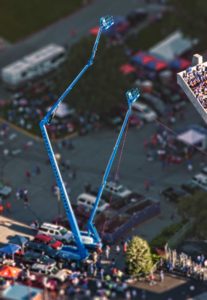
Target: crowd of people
196 78
184 264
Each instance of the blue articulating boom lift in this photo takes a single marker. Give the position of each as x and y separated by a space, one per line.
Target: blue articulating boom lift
80 252
131 95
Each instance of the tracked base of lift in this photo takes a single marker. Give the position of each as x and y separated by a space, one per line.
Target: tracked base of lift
197 60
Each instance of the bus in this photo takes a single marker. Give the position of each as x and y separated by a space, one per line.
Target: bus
33 65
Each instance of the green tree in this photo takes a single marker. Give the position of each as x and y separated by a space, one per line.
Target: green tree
191 17
103 86
138 257
195 207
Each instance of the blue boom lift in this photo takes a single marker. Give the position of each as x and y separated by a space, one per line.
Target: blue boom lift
131 95
80 252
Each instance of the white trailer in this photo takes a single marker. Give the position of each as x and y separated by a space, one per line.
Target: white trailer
34 65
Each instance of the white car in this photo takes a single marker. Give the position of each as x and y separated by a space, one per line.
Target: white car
144 112
87 201
201 180
5 190
117 190
44 269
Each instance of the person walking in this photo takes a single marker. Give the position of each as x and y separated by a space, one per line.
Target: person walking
8 207
161 275
28 175
107 251
125 247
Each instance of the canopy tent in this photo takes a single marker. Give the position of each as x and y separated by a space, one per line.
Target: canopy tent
180 64
127 69
173 46
10 249
142 58
191 137
156 65
9 272
19 240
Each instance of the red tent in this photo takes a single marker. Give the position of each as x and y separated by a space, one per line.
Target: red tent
9 272
180 64
156 65
127 69
142 58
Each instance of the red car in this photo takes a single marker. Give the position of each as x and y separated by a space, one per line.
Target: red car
48 240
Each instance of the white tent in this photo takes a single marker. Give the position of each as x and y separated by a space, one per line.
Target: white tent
174 45
192 137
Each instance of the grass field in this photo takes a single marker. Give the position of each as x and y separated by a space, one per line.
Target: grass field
19 18
153 33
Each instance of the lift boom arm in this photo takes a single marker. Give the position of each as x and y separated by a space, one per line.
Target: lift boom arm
132 96
105 23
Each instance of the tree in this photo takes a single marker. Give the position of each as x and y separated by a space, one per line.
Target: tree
191 17
138 257
103 86
195 207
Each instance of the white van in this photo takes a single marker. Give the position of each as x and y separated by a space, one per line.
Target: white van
144 112
59 232
88 200
63 234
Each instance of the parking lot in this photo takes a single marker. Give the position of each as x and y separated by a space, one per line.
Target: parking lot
89 158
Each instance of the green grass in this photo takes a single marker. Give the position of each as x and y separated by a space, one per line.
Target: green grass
19 18
153 33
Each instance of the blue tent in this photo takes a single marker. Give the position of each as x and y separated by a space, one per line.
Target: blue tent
10 249
19 240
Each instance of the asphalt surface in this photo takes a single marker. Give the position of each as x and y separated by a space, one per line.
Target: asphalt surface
81 21
89 159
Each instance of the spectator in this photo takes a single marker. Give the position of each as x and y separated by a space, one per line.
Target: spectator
107 251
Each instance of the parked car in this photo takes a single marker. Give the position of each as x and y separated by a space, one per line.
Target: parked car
204 170
67 254
48 240
42 248
31 257
5 190
173 194
201 180
56 231
136 16
44 269
61 275
87 201
144 112
190 187
117 190
155 102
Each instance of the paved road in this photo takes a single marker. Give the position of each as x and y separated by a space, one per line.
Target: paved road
89 158
81 21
